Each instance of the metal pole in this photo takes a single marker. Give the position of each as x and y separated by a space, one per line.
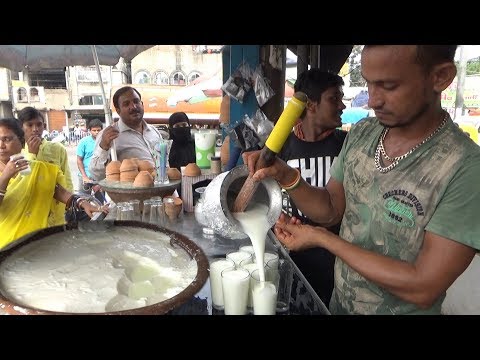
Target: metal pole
462 70
106 109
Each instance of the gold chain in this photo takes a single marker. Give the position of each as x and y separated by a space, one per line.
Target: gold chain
394 161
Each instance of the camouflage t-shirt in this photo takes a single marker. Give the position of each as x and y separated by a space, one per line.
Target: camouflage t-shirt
434 189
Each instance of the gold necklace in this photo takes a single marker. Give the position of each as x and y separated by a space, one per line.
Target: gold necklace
394 161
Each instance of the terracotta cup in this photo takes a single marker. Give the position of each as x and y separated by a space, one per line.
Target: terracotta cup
173 206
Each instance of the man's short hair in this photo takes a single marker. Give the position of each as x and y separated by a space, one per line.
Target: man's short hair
314 82
29 113
120 92
95 123
428 56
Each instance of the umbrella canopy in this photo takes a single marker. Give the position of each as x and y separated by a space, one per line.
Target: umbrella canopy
200 90
361 99
38 57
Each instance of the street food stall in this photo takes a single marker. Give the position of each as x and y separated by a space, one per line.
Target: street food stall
115 266
183 233
180 234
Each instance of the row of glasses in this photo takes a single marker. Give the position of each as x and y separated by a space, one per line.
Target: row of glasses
154 211
236 287
128 210
238 290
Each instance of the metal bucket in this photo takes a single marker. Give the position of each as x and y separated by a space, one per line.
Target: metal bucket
221 193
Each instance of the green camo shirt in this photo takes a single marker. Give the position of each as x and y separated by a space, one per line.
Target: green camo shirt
434 189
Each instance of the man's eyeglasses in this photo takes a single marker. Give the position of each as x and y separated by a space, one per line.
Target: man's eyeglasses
7 139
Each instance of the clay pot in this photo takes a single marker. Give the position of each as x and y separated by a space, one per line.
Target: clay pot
143 179
174 174
113 177
113 167
147 166
173 206
128 176
112 171
128 165
192 169
128 170
136 161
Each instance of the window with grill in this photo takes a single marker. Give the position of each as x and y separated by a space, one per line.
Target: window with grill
178 78
22 95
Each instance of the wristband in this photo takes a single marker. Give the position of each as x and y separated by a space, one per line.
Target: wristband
80 201
293 184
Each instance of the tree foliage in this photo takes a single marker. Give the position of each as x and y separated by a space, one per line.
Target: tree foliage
473 66
356 78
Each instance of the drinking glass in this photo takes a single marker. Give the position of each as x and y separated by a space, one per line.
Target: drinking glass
157 213
136 209
264 295
280 272
235 285
239 256
250 266
216 268
126 211
147 208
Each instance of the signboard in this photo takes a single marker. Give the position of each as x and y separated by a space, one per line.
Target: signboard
471 93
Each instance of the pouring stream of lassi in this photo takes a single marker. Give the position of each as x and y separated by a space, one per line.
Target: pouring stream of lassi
255 224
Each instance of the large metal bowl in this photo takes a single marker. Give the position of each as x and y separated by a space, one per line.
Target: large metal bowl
176 240
120 192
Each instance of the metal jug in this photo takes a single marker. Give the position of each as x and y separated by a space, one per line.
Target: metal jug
220 194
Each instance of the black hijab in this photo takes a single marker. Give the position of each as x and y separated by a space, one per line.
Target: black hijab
182 151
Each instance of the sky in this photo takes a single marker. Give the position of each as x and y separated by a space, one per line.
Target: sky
472 51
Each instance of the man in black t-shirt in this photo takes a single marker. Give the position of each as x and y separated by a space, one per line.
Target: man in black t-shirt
311 147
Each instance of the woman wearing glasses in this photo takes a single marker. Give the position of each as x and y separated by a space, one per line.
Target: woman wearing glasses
23 198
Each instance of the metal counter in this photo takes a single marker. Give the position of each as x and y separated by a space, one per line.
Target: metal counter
304 300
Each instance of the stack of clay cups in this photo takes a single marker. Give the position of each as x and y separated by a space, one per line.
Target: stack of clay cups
112 171
145 165
173 206
174 174
143 179
128 170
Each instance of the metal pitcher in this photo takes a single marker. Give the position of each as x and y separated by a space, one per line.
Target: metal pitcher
221 193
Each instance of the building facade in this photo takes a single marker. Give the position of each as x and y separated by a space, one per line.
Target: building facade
74 95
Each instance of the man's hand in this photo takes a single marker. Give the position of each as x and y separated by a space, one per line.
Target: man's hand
109 134
279 170
34 144
295 236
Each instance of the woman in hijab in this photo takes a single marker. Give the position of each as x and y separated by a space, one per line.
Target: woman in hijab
182 151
